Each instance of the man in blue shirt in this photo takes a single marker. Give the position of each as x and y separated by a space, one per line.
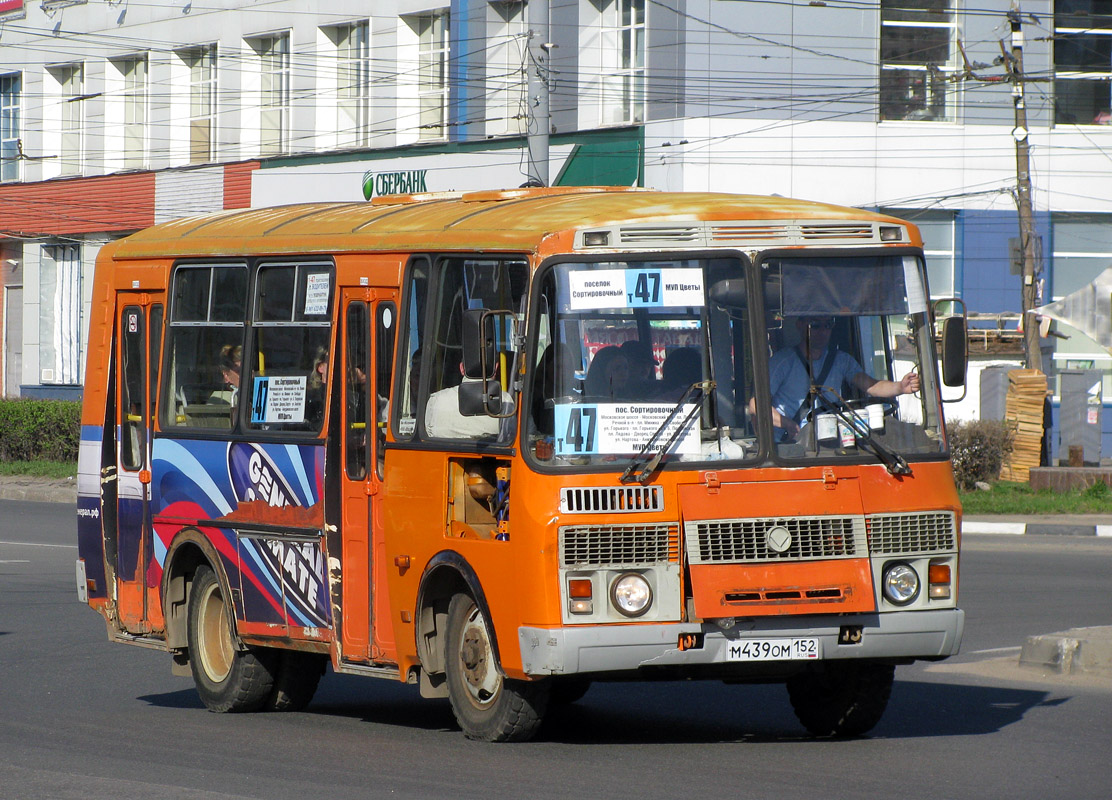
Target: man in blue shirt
790 379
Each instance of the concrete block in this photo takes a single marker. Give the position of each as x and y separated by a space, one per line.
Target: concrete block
1073 651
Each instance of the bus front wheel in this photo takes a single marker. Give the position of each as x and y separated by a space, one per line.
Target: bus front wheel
228 677
487 705
842 698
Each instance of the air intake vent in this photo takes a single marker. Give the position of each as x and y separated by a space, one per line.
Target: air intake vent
737 541
669 233
747 233
932 532
618 545
837 231
611 499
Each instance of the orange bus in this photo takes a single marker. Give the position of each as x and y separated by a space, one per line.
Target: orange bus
503 444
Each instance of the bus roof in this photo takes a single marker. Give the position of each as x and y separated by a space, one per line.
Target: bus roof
509 220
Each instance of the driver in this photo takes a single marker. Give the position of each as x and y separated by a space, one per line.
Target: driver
790 379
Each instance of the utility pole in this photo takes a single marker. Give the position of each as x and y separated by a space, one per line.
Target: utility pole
539 121
1027 234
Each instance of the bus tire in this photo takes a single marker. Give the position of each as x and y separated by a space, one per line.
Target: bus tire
487 705
843 698
229 677
295 680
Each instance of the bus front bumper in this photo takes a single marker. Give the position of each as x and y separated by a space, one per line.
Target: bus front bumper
613 648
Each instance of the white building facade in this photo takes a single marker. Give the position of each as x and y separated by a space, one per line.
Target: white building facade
116 116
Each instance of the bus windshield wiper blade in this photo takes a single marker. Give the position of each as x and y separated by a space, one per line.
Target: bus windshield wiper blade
893 461
642 466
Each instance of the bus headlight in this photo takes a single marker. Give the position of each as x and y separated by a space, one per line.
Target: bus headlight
900 584
631 594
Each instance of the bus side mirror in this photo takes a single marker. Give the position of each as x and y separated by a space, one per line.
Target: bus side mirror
955 351
481 391
479 352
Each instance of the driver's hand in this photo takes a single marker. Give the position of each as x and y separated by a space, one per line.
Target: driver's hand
909 384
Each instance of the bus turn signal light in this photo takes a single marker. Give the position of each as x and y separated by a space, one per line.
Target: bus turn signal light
939 579
580 599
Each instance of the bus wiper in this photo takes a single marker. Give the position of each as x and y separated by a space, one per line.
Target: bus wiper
895 463
642 466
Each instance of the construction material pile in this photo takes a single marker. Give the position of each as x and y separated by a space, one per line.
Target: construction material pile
1023 411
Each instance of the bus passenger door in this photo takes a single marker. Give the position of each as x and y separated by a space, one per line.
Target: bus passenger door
139 328
370 319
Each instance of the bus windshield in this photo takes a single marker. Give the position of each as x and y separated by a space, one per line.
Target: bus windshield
632 358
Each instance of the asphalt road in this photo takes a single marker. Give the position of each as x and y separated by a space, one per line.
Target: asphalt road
83 718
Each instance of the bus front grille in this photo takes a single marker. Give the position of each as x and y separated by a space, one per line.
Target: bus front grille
611 499
778 539
618 545
922 532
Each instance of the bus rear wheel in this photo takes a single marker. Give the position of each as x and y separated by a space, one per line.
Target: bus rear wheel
295 680
487 705
229 677
844 698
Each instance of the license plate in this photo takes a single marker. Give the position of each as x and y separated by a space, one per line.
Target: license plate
803 649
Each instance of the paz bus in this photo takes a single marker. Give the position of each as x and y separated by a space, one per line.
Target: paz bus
504 444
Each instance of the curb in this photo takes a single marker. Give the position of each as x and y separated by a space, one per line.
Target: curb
1035 528
39 493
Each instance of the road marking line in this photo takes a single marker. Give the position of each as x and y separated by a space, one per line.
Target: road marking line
23 561
40 544
996 650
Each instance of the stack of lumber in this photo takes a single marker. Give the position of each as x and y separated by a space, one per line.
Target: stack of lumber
1023 411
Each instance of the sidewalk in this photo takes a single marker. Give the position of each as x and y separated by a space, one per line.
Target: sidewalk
1039 524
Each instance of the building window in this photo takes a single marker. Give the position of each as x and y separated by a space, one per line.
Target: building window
917 58
621 61
353 84
1082 250
60 314
201 63
70 80
939 231
432 73
10 94
1082 62
506 69
274 93
133 73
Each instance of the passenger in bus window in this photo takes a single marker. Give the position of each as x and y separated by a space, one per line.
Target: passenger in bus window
314 394
681 368
553 378
231 364
790 378
608 375
642 367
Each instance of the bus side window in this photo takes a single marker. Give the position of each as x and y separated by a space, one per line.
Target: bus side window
204 349
289 353
132 403
386 315
411 349
465 284
355 390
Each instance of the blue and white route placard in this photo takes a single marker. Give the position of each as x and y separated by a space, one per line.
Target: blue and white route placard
590 429
646 287
278 399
